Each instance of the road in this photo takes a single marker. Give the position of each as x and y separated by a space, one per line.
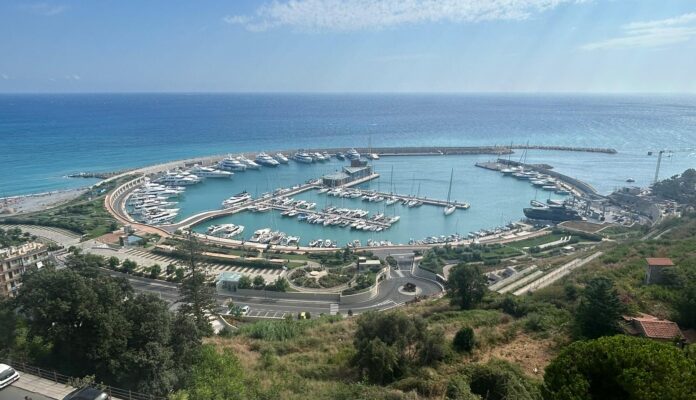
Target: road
389 295
15 393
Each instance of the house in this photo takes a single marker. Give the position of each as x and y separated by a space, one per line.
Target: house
16 260
655 269
651 327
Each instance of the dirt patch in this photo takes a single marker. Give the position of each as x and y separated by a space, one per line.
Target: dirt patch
583 226
527 352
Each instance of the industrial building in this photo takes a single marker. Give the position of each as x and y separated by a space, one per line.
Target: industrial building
358 169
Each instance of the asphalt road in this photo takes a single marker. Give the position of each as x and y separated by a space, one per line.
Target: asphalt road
15 393
389 295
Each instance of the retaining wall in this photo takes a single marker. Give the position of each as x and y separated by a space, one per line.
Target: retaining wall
332 297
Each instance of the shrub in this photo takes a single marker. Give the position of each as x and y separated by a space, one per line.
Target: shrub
464 340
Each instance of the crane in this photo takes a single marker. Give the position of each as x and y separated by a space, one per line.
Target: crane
669 154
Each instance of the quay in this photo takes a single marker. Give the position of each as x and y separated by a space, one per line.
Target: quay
424 200
577 186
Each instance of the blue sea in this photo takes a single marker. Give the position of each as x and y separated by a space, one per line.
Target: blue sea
43 138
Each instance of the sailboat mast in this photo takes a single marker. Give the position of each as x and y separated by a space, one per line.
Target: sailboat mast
449 191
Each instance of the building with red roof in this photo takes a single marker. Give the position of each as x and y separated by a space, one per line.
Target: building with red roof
651 327
655 269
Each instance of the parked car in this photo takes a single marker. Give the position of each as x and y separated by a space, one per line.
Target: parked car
7 375
87 393
245 310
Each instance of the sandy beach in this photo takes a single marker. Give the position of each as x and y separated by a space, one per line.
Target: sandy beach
35 202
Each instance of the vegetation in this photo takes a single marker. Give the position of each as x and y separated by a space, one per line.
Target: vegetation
464 340
85 215
14 237
466 286
436 258
81 322
600 309
389 345
620 367
680 188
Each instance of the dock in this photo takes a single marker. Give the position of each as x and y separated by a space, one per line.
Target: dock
424 200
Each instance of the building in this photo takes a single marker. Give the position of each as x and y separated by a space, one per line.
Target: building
358 169
651 327
15 260
228 281
655 269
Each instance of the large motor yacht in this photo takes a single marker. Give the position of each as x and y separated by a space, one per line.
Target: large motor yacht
280 157
265 159
303 158
249 163
232 164
236 199
352 154
207 172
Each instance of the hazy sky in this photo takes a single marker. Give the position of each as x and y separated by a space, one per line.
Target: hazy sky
348 45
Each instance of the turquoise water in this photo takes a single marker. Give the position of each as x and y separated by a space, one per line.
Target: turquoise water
495 199
45 137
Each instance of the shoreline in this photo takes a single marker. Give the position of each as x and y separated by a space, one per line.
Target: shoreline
28 203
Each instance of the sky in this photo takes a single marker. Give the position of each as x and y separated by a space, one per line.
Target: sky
604 46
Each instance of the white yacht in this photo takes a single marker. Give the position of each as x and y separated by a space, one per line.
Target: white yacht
265 159
207 172
226 230
236 199
231 164
303 158
372 156
280 157
352 154
178 179
249 164
318 157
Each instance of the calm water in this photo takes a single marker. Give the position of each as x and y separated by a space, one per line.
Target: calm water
45 137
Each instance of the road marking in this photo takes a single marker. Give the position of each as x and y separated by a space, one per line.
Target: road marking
333 309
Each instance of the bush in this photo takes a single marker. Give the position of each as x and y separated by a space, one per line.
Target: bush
464 340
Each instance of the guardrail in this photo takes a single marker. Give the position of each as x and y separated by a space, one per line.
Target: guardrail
57 377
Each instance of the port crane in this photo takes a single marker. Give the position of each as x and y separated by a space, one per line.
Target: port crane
669 153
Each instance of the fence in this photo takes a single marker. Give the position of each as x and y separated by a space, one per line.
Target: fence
54 376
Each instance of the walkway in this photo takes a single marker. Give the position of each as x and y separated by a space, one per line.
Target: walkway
34 384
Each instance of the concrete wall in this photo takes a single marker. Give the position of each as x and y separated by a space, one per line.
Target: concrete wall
368 294
329 297
422 273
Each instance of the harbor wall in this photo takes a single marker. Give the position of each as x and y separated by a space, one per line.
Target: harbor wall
423 273
581 186
306 296
368 294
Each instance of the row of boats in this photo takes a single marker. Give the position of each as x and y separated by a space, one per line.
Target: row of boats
342 217
154 203
372 197
241 163
537 179
267 236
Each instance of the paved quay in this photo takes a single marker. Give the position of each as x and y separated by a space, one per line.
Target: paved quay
36 388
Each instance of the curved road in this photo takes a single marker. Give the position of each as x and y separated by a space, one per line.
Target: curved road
388 296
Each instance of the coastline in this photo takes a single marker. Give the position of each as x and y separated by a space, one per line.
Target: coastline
27 203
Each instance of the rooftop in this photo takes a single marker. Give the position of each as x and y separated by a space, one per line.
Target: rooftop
352 170
229 277
659 262
14 251
655 328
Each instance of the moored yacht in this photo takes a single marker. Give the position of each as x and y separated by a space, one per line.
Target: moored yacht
352 154
231 164
303 158
280 157
236 199
249 164
207 172
265 159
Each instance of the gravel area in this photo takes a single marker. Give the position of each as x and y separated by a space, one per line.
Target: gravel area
37 202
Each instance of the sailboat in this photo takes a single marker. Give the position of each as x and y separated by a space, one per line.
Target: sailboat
450 207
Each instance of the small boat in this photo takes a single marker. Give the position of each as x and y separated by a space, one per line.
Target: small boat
450 208
630 180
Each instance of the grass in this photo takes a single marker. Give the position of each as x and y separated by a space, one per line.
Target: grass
537 241
85 215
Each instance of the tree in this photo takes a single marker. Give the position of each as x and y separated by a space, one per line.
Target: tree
466 286
81 317
155 271
464 340
259 282
686 306
244 282
620 367
113 262
599 310
171 267
197 299
179 274
394 335
500 380
280 285
192 249
129 266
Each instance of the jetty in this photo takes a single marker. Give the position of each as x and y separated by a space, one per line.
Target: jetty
424 200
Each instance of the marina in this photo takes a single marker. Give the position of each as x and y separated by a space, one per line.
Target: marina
358 202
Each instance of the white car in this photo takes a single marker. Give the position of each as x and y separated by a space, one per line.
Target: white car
7 375
245 310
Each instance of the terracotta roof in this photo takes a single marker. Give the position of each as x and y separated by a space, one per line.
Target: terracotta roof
659 262
657 328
